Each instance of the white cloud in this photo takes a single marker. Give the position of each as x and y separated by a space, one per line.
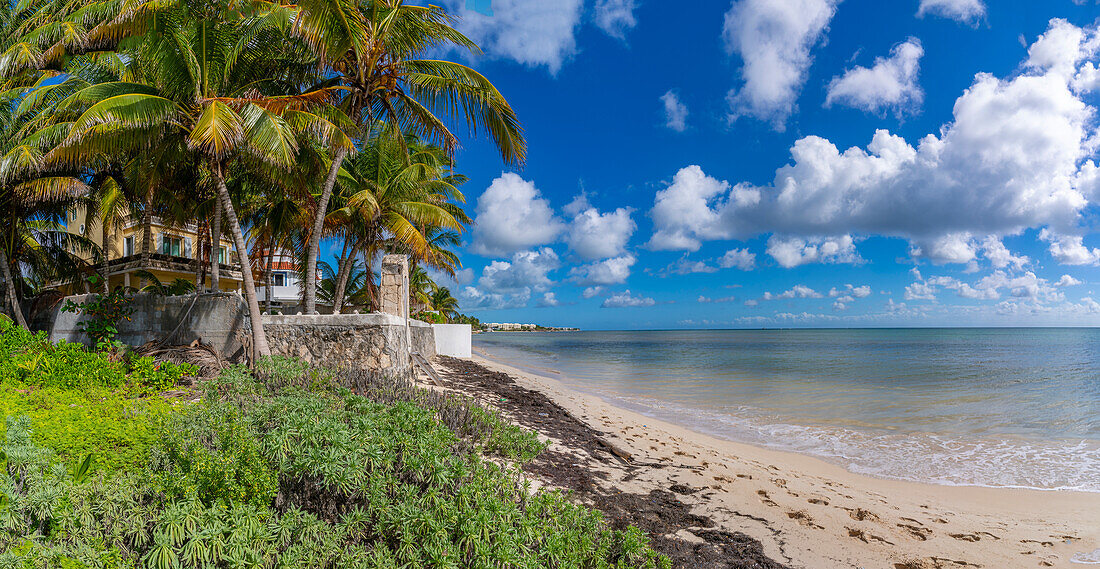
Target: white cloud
607 272
920 291
890 84
510 284
615 17
791 252
709 300
965 11
511 216
1067 280
682 212
548 300
798 291
1070 249
594 235
850 291
774 39
528 270
685 266
471 298
676 112
739 259
1023 286
1061 48
1015 157
592 291
999 255
627 300
531 32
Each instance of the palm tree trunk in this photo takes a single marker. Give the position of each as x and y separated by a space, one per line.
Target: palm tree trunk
9 286
200 266
147 230
259 339
318 225
105 268
270 276
216 246
343 271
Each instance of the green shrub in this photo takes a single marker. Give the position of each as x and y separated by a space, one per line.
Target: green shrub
148 376
209 452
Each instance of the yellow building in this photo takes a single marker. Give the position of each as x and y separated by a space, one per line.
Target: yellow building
174 251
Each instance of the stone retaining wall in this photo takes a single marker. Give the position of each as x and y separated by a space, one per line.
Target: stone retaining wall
368 341
422 337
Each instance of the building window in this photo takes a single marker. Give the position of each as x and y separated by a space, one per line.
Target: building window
128 246
221 255
279 278
172 246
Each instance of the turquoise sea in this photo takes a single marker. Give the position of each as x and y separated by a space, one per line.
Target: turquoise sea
989 407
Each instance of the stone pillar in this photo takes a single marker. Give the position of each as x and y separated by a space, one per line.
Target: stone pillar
393 292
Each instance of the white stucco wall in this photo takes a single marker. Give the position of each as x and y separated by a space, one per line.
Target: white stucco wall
452 340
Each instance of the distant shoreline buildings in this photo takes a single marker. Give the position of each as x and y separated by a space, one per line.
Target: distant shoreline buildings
514 327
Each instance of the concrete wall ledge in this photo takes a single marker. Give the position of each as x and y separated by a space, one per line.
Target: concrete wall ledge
370 319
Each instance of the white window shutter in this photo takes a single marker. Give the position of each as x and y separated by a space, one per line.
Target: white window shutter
187 247
159 243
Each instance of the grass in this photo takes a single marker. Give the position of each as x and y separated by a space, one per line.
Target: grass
285 467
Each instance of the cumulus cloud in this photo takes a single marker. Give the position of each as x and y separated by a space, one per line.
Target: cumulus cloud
798 291
685 266
965 11
850 291
548 300
1070 249
682 212
615 17
774 39
890 84
676 112
471 298
592 291
1026 286
791 252
738 259
526 270
1014 157
511 216
709 300
531 32
1067 280
607 272
627 300
510 284
594 235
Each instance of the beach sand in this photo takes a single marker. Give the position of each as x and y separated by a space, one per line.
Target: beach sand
804 512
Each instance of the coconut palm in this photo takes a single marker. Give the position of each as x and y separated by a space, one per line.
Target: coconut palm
389 199
443 302
215 80
375 50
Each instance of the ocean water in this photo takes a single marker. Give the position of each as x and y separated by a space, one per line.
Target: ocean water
985 407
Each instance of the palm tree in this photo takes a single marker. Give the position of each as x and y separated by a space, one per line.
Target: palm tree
390 198
214 82
375 50
420 288
442 301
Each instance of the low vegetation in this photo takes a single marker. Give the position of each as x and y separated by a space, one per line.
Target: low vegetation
285 466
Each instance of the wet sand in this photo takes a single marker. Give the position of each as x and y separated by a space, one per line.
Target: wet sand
715 503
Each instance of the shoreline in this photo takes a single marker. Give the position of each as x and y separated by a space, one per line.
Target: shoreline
808 512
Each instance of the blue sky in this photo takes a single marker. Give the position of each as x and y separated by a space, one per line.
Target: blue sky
788 163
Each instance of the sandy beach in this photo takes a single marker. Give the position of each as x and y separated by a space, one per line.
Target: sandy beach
805 512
